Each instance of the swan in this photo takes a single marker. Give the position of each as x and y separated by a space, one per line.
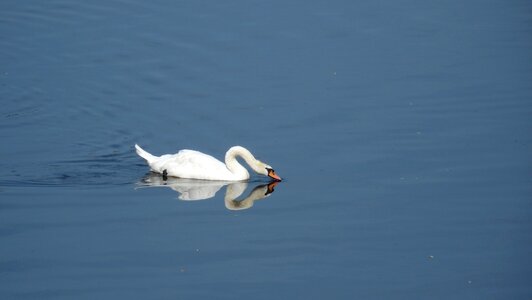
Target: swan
197 165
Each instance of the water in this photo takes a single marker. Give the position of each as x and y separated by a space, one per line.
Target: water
402 130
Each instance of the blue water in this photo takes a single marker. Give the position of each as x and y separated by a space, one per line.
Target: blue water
402 130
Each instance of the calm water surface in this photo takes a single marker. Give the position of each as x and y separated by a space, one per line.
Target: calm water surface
403 131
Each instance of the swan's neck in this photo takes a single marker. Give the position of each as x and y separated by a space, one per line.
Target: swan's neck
234 166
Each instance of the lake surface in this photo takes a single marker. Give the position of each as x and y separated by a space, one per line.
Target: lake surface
402 130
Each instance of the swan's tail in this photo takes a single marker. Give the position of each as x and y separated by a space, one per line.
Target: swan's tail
147 156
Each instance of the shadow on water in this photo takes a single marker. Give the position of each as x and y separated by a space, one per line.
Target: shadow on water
192 189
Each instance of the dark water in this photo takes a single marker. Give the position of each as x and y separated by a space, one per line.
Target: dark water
403 130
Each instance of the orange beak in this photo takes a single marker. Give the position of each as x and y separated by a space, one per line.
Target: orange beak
272 174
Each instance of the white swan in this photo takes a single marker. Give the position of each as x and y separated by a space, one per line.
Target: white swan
196 165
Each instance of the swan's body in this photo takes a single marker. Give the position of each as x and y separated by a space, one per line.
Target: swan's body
197 165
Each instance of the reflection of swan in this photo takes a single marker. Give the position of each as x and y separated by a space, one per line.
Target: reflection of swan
196 165
259 192
190 189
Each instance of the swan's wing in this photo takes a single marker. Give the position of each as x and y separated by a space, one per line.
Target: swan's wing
191 164
191 158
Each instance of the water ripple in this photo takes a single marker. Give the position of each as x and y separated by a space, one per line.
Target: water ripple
111 169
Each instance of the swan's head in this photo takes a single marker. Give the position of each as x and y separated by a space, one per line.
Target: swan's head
266 170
